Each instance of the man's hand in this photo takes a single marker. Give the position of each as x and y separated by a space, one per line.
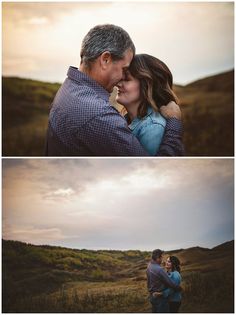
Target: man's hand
157 294
171 110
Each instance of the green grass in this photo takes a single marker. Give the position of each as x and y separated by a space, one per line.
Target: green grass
49 279
25 109
203 293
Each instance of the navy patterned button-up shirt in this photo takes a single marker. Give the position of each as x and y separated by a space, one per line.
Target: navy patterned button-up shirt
83 123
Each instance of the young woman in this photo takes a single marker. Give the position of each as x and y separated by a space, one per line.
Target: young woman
173 270
147 86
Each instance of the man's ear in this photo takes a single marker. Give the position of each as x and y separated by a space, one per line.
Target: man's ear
105 59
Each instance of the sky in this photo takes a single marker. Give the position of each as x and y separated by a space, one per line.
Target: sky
195 39
118 203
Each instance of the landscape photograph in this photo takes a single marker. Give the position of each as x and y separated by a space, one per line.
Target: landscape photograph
195 39
78 234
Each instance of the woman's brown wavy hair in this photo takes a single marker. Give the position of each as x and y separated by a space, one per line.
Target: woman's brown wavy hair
156 82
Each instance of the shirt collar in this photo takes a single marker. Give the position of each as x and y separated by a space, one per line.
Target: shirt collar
76 75
154 262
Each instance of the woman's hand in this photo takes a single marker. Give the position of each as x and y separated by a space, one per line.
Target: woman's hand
171 110
157 294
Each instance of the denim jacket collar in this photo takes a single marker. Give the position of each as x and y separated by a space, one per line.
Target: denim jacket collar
137 120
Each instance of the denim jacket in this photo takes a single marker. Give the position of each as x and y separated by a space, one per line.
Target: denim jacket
174 296
149 130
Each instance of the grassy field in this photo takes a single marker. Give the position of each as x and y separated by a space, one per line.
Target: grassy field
208 115
207 106
54 279
25 106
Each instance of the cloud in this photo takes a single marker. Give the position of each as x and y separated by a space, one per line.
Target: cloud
52 177
201 34
114 203
38 21
33 235
62 194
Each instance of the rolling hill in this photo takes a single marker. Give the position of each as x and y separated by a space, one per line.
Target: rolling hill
25 107
57 279
207 106
208 115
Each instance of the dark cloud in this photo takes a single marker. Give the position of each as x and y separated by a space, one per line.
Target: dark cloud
13 163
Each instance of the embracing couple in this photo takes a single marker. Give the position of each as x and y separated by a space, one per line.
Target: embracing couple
164 286
82 122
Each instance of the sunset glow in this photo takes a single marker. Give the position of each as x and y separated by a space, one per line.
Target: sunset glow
42 39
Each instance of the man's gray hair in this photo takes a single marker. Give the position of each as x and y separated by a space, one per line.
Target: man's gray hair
106 37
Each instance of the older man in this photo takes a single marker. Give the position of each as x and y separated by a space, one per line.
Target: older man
82 122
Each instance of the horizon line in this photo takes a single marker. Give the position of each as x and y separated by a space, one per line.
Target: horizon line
118 250
175 83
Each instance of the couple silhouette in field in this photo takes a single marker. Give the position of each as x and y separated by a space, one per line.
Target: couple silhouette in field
164 286
82 121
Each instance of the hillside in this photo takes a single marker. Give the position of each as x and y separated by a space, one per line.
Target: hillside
46 278
207 105
223 82
208 115
25 107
